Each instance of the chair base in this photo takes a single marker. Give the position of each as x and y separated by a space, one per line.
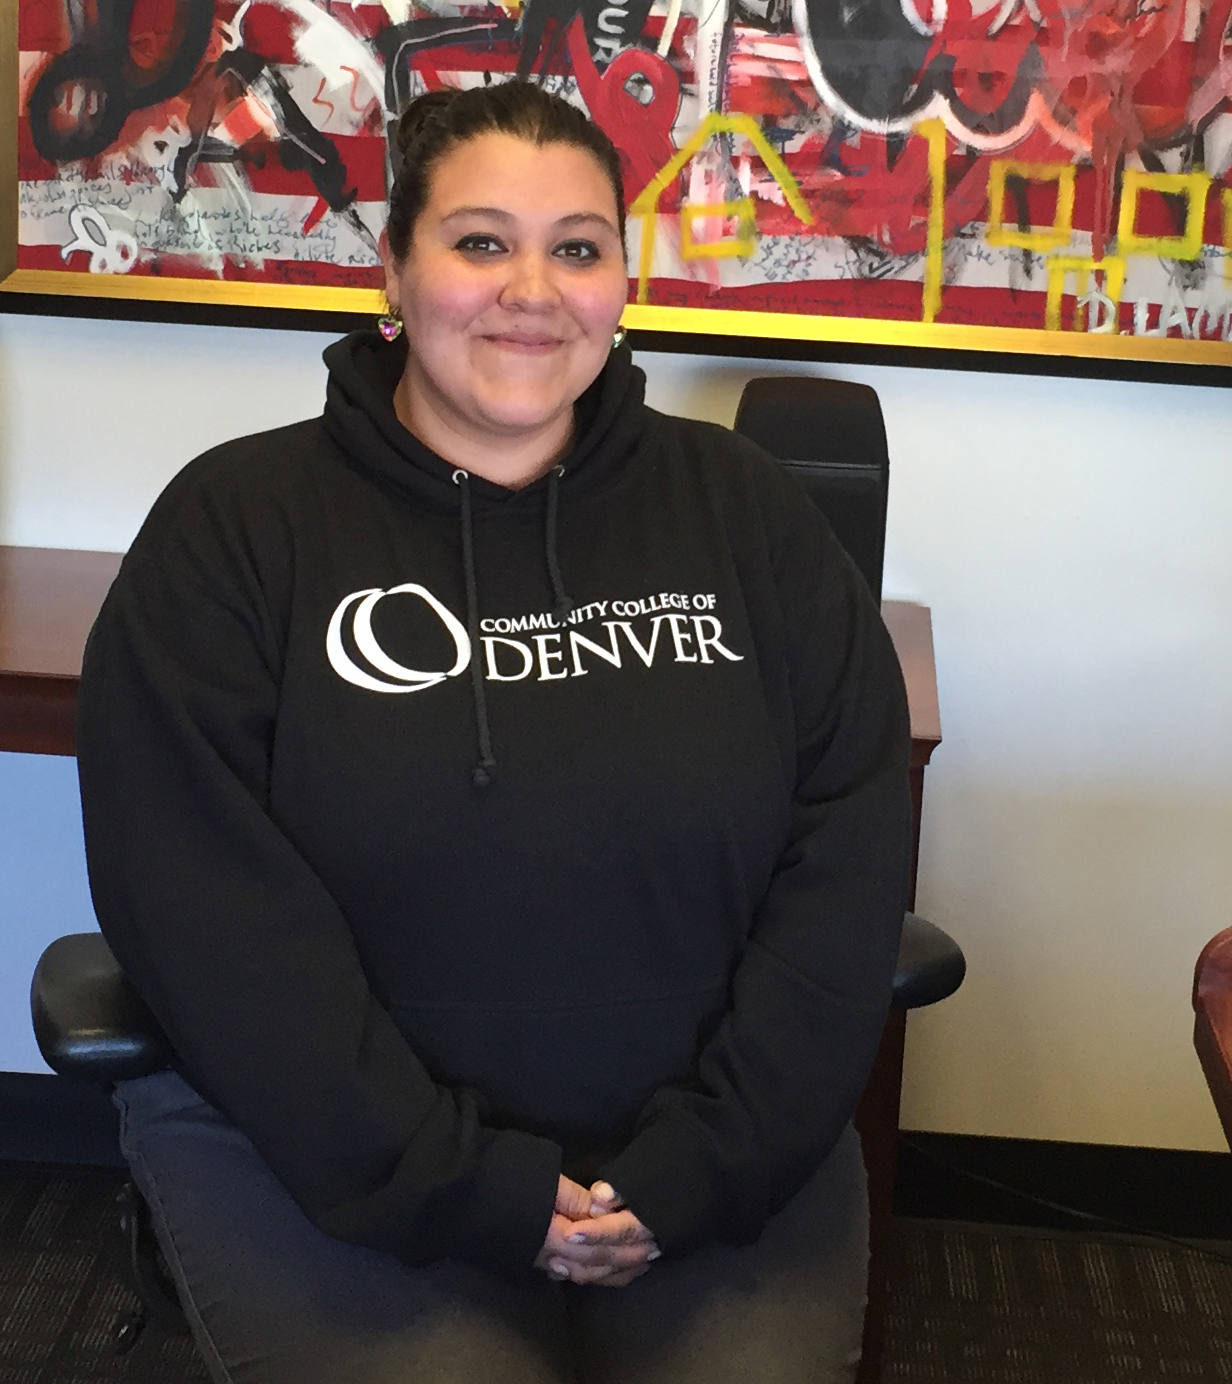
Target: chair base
876 1123
149 1277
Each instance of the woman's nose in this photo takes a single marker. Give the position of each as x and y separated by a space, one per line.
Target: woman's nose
530 284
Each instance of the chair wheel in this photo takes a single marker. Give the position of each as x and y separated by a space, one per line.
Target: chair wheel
128 1330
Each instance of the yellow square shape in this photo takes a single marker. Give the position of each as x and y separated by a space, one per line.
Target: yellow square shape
742 246
1113 270
1038 237
1186 246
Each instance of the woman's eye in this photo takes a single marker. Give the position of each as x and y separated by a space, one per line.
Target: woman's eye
578 250
479 245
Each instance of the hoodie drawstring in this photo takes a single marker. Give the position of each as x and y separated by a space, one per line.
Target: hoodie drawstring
564 604
481 774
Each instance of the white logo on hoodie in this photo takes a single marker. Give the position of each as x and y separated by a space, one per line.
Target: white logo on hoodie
403 679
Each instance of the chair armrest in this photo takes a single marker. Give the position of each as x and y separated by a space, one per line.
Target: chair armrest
1212 1002
931 965
88 1021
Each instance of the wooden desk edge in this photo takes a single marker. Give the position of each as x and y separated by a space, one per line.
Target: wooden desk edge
37 706
911 628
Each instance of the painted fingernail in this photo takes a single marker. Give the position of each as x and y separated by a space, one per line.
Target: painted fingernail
654 1254
558 1269
579 1239
603 1191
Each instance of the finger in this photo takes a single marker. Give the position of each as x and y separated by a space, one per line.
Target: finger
572 1199
605 1256
562 1233
591 1242
604 1198
619 1227
555 1242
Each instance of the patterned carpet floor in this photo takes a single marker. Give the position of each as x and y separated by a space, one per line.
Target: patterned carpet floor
970 1304
978 1304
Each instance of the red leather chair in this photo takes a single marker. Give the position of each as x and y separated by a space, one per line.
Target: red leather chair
1212 1002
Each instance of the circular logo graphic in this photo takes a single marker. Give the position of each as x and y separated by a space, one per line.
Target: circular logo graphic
356 610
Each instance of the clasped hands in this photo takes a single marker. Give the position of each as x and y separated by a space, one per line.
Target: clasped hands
593 1238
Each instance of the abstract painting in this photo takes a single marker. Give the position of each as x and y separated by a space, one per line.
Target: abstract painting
1032 175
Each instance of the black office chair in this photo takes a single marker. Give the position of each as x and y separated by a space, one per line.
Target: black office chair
91 1025
830 435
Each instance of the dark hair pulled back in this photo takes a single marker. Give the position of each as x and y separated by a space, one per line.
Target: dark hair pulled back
439 121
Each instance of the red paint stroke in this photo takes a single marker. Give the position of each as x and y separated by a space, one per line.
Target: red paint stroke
642 134
329 105
43 28
501 58
152 29
364 21
425 67
319 208
242 122
984 69
272 32
1094 59
355 80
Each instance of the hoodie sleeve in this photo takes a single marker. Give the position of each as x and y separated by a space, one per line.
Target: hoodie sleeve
780 1078
243 955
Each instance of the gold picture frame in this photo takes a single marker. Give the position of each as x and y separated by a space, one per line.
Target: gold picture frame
1077 292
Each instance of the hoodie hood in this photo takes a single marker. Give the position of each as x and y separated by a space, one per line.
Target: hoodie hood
610 417
359 418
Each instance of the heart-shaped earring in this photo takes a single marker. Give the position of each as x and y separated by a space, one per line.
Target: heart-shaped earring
390 325
619 338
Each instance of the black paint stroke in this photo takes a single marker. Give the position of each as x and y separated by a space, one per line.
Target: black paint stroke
400 44
301 146
885 70
109 84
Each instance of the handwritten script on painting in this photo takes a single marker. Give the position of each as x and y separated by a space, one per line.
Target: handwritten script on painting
1057 164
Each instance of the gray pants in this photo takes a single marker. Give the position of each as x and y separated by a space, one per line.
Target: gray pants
273 1300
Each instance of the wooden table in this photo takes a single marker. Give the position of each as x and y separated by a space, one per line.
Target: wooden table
911 629
48 600
1212 1002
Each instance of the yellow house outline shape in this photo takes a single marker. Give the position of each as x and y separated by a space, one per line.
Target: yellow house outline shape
745 242
646 203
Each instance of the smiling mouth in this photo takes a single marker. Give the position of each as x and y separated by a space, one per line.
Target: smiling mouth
529 345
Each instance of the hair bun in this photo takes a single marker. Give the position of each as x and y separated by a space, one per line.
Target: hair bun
423 111
439 121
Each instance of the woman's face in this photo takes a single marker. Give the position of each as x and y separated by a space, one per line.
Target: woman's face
512 287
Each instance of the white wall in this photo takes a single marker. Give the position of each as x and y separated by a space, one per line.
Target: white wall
1074 540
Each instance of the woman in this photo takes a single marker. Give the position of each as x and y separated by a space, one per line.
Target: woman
497 790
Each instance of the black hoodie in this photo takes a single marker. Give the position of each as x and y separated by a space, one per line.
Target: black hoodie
460 836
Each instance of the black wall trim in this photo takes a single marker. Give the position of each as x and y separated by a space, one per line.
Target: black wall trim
48 1119
1167 1191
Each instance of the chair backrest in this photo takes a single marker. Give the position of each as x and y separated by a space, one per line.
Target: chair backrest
831 435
